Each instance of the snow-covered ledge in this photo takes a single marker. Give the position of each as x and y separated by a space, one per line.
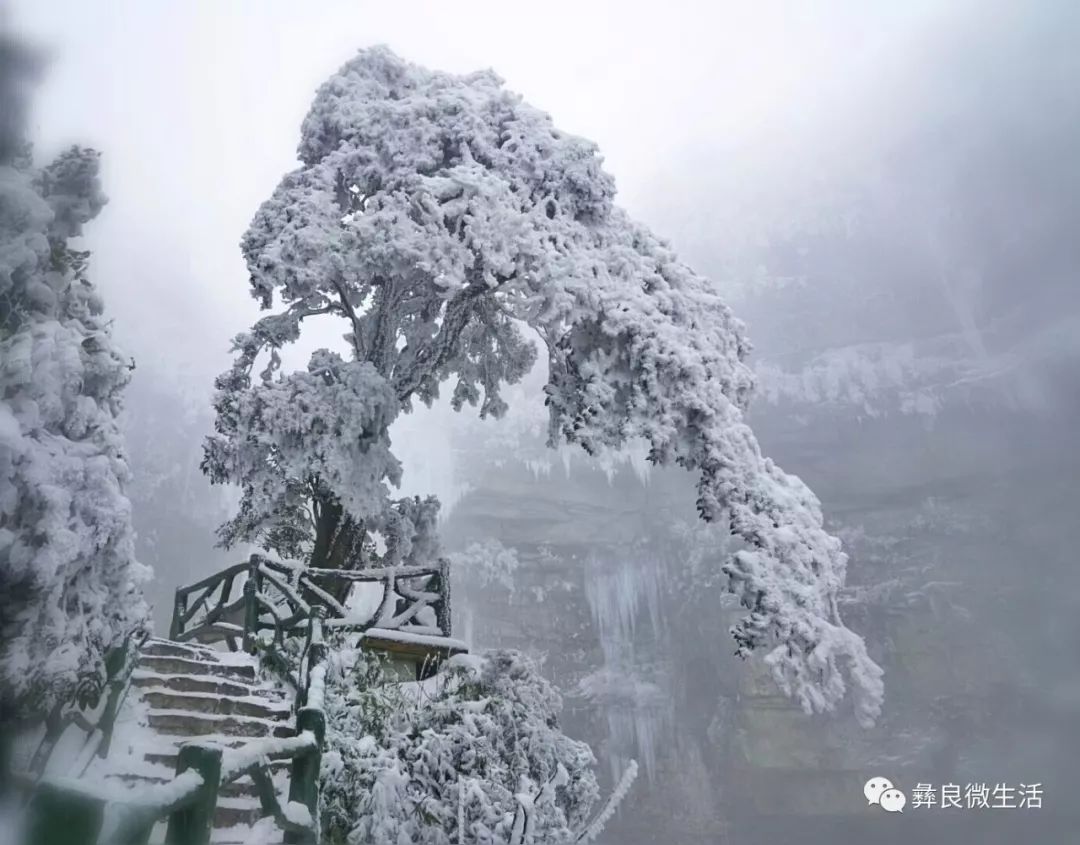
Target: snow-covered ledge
413 656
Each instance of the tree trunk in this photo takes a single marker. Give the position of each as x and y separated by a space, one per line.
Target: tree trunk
326 526
337 537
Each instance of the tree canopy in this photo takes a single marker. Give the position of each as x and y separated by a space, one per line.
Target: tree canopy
440 218
70 586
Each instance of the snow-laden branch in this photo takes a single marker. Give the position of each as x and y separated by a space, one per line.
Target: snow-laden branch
480 759
596 826
480 217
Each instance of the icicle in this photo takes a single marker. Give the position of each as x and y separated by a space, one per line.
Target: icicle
637 710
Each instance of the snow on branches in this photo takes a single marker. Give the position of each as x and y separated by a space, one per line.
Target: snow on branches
471 760
325 428
69 583
436 216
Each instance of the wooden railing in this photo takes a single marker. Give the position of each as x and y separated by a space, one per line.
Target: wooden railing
94 708
239 604
74 812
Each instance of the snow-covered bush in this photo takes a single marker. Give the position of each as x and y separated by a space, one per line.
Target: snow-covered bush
69 582
486 562
453 760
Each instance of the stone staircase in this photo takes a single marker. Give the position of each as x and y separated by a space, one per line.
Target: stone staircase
182 692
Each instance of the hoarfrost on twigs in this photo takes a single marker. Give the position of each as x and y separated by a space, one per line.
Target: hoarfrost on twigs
479 218
458 765
70 587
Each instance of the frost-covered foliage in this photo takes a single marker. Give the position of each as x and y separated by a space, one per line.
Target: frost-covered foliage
454 761
69 583
485 563
436 216
319 439
875 378
519 437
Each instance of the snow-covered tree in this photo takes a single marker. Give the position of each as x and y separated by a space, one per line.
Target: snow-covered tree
466 762
439 218
69 581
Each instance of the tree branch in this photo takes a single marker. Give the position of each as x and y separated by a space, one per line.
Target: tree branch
346 307
428 359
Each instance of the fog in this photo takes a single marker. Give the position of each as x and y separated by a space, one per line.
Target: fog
887 193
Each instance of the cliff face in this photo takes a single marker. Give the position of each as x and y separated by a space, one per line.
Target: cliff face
956 526
590 595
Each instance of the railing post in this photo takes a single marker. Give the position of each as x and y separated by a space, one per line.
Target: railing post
179 609
7 752
304 776
118 666
108 720
62 817
442 610
316 644
190 825
251 606
314 652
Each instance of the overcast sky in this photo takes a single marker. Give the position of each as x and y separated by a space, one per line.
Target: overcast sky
196 107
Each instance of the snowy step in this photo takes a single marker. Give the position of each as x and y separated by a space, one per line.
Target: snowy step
231 817
168 665
188 724
243 787
167 759
214 686
187 692
195 651
171 648
264 832
231 833
152 771
231 812
163 756
238 835
163 699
